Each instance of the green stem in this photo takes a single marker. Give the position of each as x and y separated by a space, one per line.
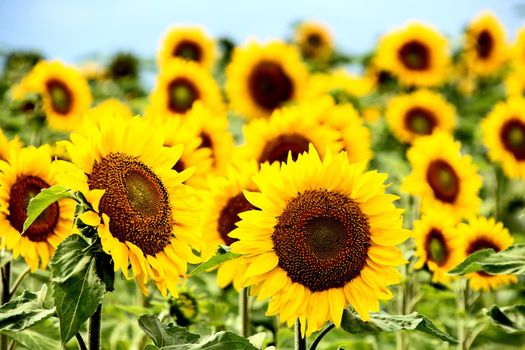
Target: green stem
80 341
463 323
19 280
321 336
244 312
300 341
6 296
94 328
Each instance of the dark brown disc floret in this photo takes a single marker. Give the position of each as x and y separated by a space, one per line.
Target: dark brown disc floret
484 44
135 200
60 95
443 180
322 239
188 50
229 216
269 85
182 93
436 247
277 149
512 136
420 120
415 55
25 188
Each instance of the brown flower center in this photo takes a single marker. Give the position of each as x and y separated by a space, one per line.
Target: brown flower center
443 180
276 150
513 138
135 200
25 188
420 121
436 247
181 94
269 85
484 44
60 95
479 244
314 40
415 55
322 239
229 216
188 50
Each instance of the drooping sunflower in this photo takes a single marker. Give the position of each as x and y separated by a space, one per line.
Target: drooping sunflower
482 233
504 135
28 171
354 136
179 85
186 133
262 78
416 55
436 245
314 40
419 113
146 216
323 238
187 43
486 48
290 129
222 209
65 92
442 177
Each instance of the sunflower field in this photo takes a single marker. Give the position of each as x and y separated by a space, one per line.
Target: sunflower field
277 194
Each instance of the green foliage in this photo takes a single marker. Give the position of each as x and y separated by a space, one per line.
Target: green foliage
25 311
39 337
78 290
508 261
383 322
173 337
223 254
511 319
44 199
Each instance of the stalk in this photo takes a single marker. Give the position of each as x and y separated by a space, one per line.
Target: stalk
6 296
300 342
244 312
94 328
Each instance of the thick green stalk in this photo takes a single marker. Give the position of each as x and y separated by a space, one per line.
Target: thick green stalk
6 296
94 329
244 312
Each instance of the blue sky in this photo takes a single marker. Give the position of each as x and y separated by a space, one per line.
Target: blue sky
70 30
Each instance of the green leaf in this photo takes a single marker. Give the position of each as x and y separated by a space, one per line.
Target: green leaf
44 199
41 337
24 311
383 322
508 261
223 254
77 288
216 341
164 335
511 318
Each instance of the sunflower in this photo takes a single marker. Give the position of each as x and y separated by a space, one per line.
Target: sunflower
419 113
354 136
290 129
482 233
188 43
146 217
324 237
436 245
416 55
260 78
445 180
504 135
314 40
486 47
30 170
179 85
221 210
65 93
186 133
338 81
7 145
